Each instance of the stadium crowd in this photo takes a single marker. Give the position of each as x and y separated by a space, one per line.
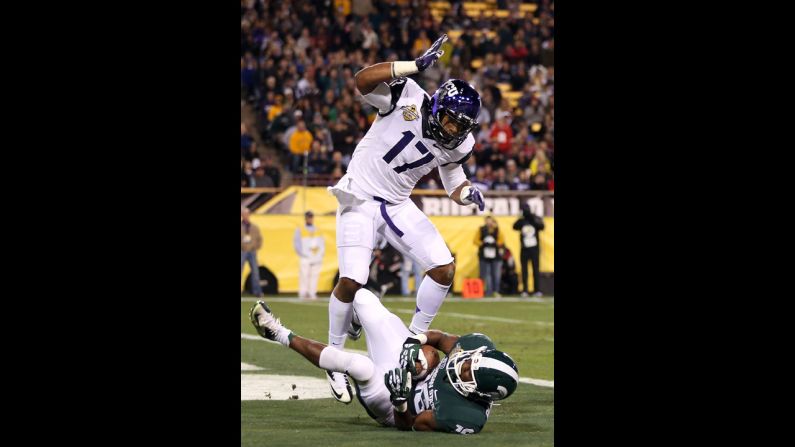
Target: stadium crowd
297 64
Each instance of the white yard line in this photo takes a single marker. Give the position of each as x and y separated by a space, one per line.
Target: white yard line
538 382
250 367
467 316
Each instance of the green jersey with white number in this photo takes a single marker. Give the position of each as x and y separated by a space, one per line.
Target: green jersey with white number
453 412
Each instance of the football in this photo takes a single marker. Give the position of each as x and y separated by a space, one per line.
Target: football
431 355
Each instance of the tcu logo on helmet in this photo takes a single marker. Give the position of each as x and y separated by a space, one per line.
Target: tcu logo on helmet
451 89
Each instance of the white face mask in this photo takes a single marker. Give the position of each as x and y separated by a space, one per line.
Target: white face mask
454 366
424 363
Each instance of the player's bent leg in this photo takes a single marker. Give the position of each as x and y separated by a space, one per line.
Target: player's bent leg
430 295
354 268
340 311
443 274
354 264
355 241
340 314
374 397
346 289
384 330
422 242
357 366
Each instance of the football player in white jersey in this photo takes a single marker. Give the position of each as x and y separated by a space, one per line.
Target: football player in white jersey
412 135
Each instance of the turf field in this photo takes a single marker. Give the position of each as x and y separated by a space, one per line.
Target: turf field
270 415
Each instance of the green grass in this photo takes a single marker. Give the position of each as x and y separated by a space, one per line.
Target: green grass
526 418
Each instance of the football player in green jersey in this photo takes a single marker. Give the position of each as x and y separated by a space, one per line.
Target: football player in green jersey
397 383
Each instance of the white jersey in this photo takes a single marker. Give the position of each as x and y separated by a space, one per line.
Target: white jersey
399 150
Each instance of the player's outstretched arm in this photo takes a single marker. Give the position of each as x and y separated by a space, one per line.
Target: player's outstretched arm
412 347
458 188
441 340
368 78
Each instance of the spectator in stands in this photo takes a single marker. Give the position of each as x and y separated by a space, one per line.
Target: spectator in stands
542 180
271 88
261 180
483 136
501 133
319 162
272 171
253 156
336 174
511 172
489 171
516 51
337 163
522 183
480 180
300 143
523 158
470 167
505 110
323 135
248 77
421 43
539 159
245 139
343 135
501 183
369 36
301 56
247 174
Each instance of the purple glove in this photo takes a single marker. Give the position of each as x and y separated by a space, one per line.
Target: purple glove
476 197
430 56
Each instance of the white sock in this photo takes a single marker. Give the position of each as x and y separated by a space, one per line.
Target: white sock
429 300
283 336
357 366
339 318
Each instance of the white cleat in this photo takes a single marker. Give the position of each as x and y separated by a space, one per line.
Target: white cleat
266 324
340 387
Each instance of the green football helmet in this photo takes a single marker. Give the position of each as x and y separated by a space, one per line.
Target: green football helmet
494 374
472 341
